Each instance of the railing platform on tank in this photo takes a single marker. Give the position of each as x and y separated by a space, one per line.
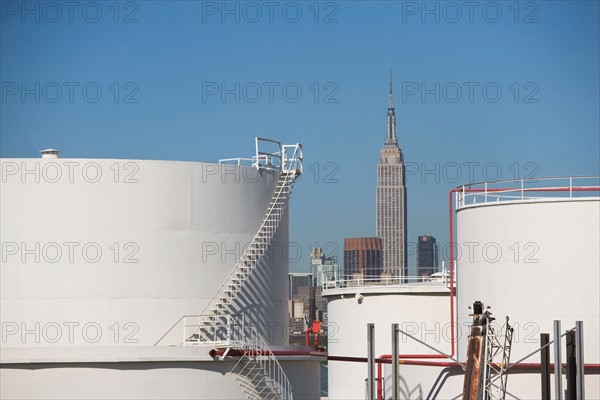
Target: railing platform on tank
353 281
527 190
286 157
228 334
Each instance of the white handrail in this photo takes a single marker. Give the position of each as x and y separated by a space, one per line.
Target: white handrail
526 189
352 281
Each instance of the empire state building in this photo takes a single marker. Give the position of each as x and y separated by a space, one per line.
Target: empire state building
391 201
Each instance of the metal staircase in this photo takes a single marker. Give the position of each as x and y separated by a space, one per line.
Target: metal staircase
257 371
218 308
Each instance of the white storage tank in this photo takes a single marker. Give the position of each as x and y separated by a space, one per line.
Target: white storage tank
420 309
530 250
101 258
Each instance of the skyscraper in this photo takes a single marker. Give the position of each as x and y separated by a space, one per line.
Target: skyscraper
391 200
324 269
427 255
296 280
362 256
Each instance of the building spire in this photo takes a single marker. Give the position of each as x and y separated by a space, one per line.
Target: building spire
391 103
391 119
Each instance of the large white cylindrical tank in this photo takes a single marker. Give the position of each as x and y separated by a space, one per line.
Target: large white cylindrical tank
535 261
422 311
99 252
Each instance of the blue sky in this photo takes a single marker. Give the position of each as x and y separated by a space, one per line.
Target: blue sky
511 89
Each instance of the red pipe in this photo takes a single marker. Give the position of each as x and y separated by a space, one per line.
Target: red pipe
238 353
387 360
379 381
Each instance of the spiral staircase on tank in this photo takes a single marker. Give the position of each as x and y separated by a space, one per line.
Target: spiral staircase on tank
257 370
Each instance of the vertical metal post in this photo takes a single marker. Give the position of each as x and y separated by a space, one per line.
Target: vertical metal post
545 361
571 370
485 196
570 187
256 153
579 360
395 354
557 362
522 188
371 362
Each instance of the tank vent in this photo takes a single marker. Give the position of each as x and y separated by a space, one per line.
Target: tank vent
50 153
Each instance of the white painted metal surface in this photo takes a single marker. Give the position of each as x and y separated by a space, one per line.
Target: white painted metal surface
116 251
421 310
535 261
140 372
100 253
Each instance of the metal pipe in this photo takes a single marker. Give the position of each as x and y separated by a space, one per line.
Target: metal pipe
450 215
545 359
557 362
571 370
395 369
387 359
371 361
379 380
579 360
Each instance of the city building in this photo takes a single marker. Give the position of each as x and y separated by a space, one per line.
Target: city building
427 255
306 296
362 256
324 269
296 280
301 303
391 200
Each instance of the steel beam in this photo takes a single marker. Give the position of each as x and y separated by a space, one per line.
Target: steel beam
371 361
557 362
395 355
545 361
579 360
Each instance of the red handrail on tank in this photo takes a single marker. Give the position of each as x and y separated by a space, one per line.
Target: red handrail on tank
451 284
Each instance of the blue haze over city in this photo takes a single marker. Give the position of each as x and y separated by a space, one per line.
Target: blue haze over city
482 91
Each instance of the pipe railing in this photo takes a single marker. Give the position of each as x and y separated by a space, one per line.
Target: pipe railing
287 157
526 189
265 158
262 160
349 281
255 347
292 162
